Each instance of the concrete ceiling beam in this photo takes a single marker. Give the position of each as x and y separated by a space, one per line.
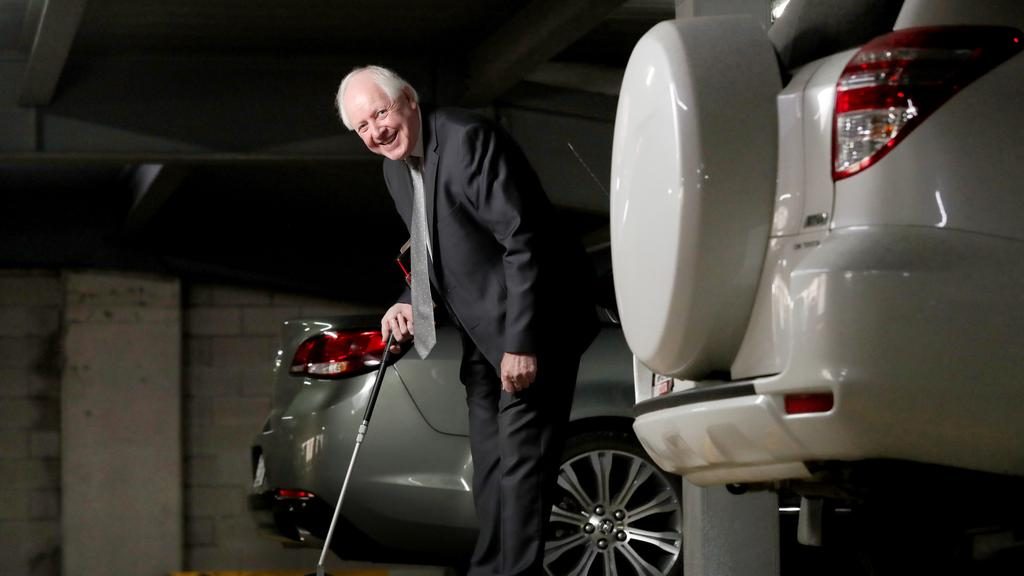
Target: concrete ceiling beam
152 186
604 80
30 23
58 24
533 36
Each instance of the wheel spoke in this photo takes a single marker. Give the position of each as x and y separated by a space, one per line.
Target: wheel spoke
555 548
663 502
568 480
560 515
600 461
583 566
610 569
667 541
639 472
639 564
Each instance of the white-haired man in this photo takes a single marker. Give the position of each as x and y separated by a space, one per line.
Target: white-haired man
517 286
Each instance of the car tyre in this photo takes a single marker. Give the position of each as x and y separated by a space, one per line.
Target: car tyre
615 511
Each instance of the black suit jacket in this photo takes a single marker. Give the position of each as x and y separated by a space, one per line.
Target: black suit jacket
511 275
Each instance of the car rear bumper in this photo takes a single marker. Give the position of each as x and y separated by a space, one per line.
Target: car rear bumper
305 522
736 439
917 334
296 522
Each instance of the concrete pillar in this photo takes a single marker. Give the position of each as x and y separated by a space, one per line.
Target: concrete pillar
729 535
121 426
760 10
725 534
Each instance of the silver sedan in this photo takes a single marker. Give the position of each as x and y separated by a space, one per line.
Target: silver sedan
409 498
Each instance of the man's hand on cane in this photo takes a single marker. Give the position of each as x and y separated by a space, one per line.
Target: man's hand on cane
397 320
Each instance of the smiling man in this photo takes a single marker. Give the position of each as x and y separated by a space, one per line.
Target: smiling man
389 124
518 288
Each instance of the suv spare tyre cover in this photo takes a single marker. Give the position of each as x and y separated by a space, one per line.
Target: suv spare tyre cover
693 180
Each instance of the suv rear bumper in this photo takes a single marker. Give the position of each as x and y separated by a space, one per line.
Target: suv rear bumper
917 334
732 440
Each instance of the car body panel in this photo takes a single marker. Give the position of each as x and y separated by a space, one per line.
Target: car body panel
604 369
414 472
905 302
768 345
803 213
790 197
442 406
971 183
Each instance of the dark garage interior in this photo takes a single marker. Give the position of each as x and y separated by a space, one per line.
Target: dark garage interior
196 145
175 183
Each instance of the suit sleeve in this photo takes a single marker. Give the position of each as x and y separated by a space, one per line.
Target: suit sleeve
502 190
405 297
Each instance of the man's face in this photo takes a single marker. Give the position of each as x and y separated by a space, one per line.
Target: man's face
387 127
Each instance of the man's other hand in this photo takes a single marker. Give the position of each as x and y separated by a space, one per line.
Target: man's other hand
398 319
517 371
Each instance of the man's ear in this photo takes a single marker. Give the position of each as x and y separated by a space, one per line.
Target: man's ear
407 92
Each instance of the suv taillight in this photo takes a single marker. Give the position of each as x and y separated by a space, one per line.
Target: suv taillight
338 354
895 81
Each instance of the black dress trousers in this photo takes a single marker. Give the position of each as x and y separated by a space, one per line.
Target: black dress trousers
516 441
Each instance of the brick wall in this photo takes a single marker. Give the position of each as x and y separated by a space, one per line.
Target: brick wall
30 306
231 338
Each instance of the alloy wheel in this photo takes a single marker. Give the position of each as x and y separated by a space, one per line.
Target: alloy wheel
615 514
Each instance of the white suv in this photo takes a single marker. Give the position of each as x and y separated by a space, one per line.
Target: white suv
822 267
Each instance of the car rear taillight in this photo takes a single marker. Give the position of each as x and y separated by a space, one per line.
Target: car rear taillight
338 354
895 81
293 494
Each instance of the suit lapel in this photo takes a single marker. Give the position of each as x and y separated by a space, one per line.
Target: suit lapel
430 171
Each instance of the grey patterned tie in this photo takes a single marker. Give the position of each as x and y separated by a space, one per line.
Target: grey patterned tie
422 304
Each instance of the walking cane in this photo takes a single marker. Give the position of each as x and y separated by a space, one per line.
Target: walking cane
355 452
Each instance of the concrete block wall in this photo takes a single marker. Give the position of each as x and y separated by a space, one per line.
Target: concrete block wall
231 338
229 342
30 530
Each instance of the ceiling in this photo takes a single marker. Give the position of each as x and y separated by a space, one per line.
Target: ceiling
300 26
198 138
